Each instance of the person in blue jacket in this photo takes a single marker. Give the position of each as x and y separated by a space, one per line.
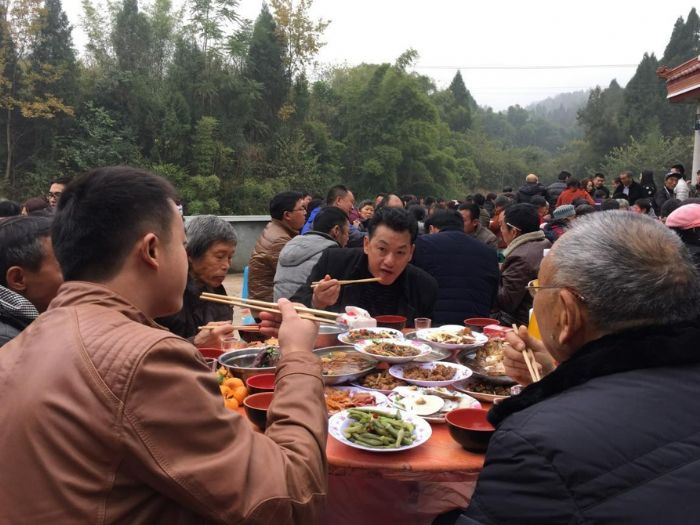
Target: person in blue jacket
341 197
466 269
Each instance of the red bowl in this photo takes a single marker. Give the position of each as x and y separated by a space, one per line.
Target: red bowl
470 428
212 353
397 322
256 406
478 323
261 383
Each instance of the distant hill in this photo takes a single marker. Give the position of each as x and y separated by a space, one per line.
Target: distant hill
560 109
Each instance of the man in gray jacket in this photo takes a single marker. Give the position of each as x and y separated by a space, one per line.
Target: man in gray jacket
331 228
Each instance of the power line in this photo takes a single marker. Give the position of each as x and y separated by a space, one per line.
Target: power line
530 67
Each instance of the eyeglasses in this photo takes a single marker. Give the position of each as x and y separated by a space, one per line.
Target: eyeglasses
56 195
300 209
534 286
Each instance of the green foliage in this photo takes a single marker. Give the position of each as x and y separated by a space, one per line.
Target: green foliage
198 193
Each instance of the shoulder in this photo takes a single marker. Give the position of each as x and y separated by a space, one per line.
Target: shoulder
420 277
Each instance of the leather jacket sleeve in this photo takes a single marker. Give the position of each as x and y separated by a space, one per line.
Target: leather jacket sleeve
210 459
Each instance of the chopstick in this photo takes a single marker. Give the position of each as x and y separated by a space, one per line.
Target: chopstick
530 360
225 299
313 311
241 328
351 281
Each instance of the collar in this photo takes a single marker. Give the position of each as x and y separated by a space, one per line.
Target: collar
285 227
16 306
523 239
633 349
79 293
320 234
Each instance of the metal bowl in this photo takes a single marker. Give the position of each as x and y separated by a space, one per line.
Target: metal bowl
337 380
466 358
238 363
438 354
328 335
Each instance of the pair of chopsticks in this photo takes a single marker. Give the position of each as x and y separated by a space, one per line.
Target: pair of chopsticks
241 328
530 360
320 316
350 281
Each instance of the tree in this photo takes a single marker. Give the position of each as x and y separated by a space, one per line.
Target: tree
299 32
460 92
131 38
643 98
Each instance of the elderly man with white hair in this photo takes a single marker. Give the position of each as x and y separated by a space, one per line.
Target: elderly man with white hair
612 434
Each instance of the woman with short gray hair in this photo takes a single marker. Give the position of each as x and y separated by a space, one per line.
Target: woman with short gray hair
211 243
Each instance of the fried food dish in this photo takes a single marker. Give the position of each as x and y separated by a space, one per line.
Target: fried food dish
344 363
460 337
388 349
490 389
381 381
490 357
337 400
437 373
359 334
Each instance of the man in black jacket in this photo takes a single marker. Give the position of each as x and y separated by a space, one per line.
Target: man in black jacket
630 189
613 430
403 289
530 189
466 269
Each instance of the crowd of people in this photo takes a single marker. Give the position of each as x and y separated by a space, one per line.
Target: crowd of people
110 414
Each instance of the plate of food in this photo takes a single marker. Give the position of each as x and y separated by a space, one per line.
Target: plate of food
487 361
343 363
432 404
356 335
379 429
393 350
452 337
430 374
380 381
436 353
484 390
343 397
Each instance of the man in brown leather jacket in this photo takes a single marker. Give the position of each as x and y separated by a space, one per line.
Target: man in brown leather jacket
108 418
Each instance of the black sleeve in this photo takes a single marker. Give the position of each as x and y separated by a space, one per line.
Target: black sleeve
305 293
428 298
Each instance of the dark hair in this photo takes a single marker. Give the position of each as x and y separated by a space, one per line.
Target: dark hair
578 201
644 204
328 218
601 175
524 217
599 194
473 209
539 201
610 204
103 213
669 207
508 189
648 177
315 203
20 243
398 219
445 219
364 203
429 201
417 211
479 199
617 180
282 202
9 209
573 183
563 175
680 168
63 179
337 191
502 201
36 204
490 196
584 209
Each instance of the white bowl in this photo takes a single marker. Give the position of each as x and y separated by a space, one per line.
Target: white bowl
363 346
381 333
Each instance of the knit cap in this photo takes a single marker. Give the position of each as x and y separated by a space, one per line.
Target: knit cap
564 211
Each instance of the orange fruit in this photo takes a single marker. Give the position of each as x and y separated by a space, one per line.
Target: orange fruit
231 403
239 393
233 382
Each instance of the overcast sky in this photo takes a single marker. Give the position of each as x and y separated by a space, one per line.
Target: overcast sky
453 34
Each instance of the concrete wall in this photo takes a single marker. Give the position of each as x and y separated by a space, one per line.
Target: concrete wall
248 229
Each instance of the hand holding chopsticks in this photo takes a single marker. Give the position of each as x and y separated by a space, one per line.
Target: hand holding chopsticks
320 316
350 281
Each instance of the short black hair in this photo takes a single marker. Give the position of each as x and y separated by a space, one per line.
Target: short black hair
20 243
610 204
419 212
508 189
63 179
502 201
523 216
573 183
490 196
444 219
539 201
578 201
601 175
584 209
679 167
9 209
328 218
103 213
669 207
563 175
429 201
479 199
398 219
644 204
472 208
336 191
282 202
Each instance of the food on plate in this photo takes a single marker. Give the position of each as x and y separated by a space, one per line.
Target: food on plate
337 400
239 345
360 334
437 373
381 381
430 402
462 336
490 357
391 349
489 389
232 389
343 363
421 405
267 357
377 429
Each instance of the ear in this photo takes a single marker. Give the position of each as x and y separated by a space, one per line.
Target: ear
413 249
150 250
570 317
365 244
15 279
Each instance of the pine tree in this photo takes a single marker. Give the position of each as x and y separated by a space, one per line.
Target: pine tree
460 92
643 98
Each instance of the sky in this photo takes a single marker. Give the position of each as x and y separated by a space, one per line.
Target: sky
560 46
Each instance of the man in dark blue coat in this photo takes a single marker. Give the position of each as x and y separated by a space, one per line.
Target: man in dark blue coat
466 269
612 434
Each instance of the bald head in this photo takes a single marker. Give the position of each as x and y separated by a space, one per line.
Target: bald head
531 179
